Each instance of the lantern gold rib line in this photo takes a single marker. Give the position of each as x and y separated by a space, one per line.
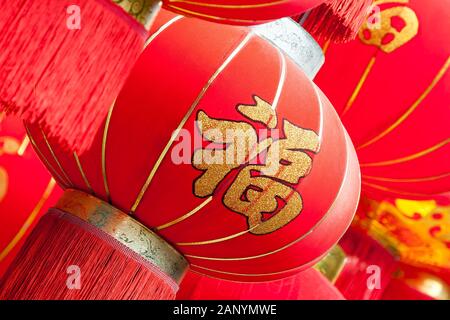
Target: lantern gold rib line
405 193
280 86
379 2
302 237
184 217
326 46
360 85
253 274
196 14
45 160
83 175
230 6
276 99
19 235
185 118
407 180
56 158
321 125
414 106
407 158
232 236
23 146
161 29
104 140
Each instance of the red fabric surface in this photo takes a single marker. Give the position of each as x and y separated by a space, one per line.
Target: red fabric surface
192 67
307 285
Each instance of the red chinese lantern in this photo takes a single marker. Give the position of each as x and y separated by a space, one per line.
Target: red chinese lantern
307 285
95 43
26 189
392 96
213 148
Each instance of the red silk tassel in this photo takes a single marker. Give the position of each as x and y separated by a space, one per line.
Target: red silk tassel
63 77
337 20
46 267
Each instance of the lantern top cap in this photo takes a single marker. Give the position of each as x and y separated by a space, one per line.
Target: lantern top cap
296 42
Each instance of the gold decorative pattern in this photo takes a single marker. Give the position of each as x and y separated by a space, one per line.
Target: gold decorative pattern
397 38
143 11
126 230
417 232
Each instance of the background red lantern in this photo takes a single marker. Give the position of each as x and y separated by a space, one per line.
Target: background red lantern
130 161
393 98
307 285
26 189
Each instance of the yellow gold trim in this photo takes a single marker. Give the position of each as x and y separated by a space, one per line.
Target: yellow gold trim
407 180
44 159
83 175
29 221
359 85
407 158
125 230
104 140
326 46
55 158
23 146
143 11
183 121
422 97
231 6
184 217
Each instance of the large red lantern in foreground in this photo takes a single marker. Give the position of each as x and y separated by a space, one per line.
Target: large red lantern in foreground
26 189
212 146
393 100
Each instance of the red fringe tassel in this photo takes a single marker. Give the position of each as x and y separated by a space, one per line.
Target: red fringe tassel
65 79
338 20
107 269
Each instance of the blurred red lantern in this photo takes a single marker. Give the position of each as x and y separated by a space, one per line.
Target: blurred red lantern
393 98
265 214
307 285
26 189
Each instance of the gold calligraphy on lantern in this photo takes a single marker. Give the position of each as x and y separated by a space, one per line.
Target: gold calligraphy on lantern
397 26
262 190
